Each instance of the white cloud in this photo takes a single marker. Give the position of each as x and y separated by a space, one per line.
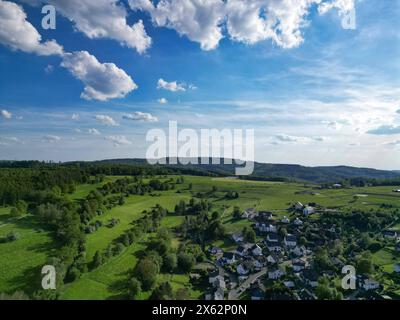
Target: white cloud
94 132
19 34
173 86
141 116
285 138
6 114
5 141
118 140
106 120
199 20
75 116
343 6
204 21
103 81
49 69
51 138
162 101
102 19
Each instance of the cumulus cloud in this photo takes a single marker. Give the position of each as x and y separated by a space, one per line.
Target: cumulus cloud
162 101
75 116
385 130
94 132
106 120
51 138
19 34
199 20
173 86
118 140
102 19
204 21
5 114
103 81
140 116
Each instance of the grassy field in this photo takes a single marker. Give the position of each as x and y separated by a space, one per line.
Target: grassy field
20 260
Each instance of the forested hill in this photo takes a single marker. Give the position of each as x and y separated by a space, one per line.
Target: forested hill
283 171
262 171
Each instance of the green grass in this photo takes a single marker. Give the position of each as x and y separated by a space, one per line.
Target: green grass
21 261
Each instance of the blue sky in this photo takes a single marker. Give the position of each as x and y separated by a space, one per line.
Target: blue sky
314 92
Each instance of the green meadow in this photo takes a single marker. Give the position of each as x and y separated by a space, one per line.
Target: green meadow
20 261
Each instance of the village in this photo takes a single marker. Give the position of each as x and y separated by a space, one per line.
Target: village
282 266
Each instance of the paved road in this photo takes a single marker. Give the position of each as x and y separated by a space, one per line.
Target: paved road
235 293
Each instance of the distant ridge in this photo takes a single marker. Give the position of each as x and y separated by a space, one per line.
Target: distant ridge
262 171
319 174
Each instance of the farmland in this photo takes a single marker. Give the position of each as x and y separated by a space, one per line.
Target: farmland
21 260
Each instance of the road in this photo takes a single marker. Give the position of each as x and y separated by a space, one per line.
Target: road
235 293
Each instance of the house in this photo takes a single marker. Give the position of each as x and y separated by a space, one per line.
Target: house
272 237
264 227
272 259
275 274
298 206
390 234
310 277
229 258
369 284
266 215
273 246
396 190
260 262
245 267
256 250
305 294
219 283
397 268
285 220
237 237
213 276
298 222
308 211
298 265
215 250
257 294
290 240
337 186
249 213
299 251
241 250
289 284
218 294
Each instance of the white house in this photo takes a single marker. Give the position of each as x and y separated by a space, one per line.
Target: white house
256 250
298 251
298 206
290 240
308 211
219 294
390 234
241 250
229 257
285 220
216 274
276 274
249 213
272 259
237 237
242 270
298 222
